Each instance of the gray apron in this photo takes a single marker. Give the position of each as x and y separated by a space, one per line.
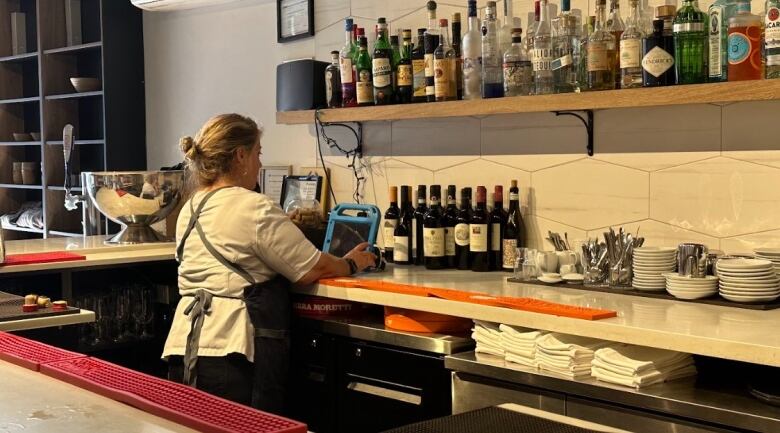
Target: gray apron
268 305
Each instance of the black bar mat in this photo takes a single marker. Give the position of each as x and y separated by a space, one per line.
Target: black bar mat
11 309
490 419
712 300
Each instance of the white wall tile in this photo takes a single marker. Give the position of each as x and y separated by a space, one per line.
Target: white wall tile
537 228
332 37
435 163
417 18
746 244
486 173
658 234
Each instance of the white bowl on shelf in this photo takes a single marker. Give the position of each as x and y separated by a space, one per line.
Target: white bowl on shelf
85 84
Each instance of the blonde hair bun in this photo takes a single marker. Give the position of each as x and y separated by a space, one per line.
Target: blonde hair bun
188 147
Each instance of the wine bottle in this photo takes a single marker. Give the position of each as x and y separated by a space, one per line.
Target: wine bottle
479 238
433 232
513 229
403 231
450 221
418 246
497 221
391 221
462 261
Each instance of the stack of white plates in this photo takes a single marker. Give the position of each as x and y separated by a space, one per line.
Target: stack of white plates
748 280
684 287
650 263
771 254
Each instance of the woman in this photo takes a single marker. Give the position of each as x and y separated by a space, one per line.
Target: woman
238 253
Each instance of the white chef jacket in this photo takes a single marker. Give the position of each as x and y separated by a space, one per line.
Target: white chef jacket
248 229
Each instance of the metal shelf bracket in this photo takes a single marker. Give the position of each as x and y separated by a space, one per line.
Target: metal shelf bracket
587 123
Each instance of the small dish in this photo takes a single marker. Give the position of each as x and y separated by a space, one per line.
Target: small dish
36 136
573 278
552 275
550 280
22 136
85 84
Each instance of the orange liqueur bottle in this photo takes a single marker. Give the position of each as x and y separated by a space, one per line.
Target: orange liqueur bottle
744 44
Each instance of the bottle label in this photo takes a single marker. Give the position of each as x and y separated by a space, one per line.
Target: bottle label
442 69
345 64
430 89
772 30
382 71
657 61
688 27
462 235
401 248
472 77
365 89
434 242
562 62
739 48
449 241
715 66
418 69
389 231
495 239
510 253
405 76
541 60
629 54
514 76
597 56
328 85
513 196
478 238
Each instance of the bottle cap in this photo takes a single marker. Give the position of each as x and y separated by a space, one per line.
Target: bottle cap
481 193
406 193
444 23
658 26
498 193
381 20
363 42
451 191
431 5
407 34
421 32
361 31
394 40
348 23
743 6
421 191
517 31
393 194
456 17
435 192
490 4
665 11
514 184
565 5
601 2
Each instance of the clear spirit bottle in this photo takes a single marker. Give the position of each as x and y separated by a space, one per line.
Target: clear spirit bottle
616 26
719 13
631 48
444 66
690 44
601 67
542 53
517 67
346 56
505 33
492 74
472 56
744 44
772 38
566 50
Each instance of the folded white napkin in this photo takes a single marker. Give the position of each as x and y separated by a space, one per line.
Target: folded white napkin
569 344
487 335
485 345
489 326
636 359
490 350
643 380
520 333
647 372
580 372
560 362
522 360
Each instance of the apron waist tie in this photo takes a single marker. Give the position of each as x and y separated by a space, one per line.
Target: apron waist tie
198 309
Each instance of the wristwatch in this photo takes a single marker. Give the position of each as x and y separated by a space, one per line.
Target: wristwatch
353 267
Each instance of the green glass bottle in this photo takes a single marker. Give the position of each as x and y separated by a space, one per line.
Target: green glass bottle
690 44
382 66
396 60
365 86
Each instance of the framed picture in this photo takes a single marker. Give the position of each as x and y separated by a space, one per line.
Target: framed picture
294 19
272 180
300 188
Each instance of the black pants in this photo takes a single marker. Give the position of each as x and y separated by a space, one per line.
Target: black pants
229 377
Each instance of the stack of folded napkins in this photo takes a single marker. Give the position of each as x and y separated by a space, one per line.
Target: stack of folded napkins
488 338
638 366
568 355
519 344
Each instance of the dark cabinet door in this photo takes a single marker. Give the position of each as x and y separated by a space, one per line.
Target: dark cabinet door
313 381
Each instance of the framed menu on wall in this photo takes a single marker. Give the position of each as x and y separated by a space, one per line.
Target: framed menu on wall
294 19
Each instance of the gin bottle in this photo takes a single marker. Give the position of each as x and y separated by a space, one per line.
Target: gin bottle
744 44
542 53
631 49
444 66
492 74
690 44
566 51
615 26
472 56
719 13
346 56
600 64
772 38
657 61
517 67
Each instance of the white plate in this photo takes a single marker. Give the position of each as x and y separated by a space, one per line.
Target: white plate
686 295
650 288
642 259
749 289
747 272
649 280
737 298
750 281
674 276
743 264
573 278
658 250
770 258
767 251
651 273
692 289
741 293
549 280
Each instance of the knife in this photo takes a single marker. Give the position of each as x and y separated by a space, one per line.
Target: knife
67 150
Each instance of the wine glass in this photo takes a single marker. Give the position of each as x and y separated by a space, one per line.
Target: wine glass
143 310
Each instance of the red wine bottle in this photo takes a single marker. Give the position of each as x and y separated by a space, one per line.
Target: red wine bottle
513 229
391 221
479 236
418 246
433 232
497 222
462 261
450 221
402 254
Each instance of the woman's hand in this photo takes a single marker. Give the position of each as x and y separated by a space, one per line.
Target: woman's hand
363 259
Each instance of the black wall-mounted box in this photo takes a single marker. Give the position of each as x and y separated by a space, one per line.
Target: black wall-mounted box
300 85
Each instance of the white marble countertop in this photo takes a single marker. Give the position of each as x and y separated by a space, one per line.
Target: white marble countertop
721 332
34 403
83 316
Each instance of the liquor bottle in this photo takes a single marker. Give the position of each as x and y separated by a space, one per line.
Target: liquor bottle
405 74
601 67
346 56
533 22
365 86
418 247
359 33
497 223
492 73
431 42
450 221
479 236
396 59
445 85
472 56
690 44
718 65
433 232
668 14
333 81
566 52
402 255
462 231
772 39
631 48
457 46
418 68
513 229
541 56
382 66
615 26
505 32
392 215
657 61
744 44
582 66
518 71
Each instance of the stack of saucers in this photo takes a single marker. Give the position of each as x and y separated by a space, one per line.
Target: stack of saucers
748 280
686 287
650 263
771 254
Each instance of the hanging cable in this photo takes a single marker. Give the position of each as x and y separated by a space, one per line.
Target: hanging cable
353 155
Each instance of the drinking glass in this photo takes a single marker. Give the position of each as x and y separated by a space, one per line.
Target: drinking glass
530 270
143 310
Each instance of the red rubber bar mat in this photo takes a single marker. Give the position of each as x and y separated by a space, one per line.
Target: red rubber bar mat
31 354
179 403
30 259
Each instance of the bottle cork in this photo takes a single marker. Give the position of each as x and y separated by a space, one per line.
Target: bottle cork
481 194
393 194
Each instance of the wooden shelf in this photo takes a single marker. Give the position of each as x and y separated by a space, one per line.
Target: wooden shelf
20 186
74 95
739 91
73 49
77 142
19 57
20 143
20 100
